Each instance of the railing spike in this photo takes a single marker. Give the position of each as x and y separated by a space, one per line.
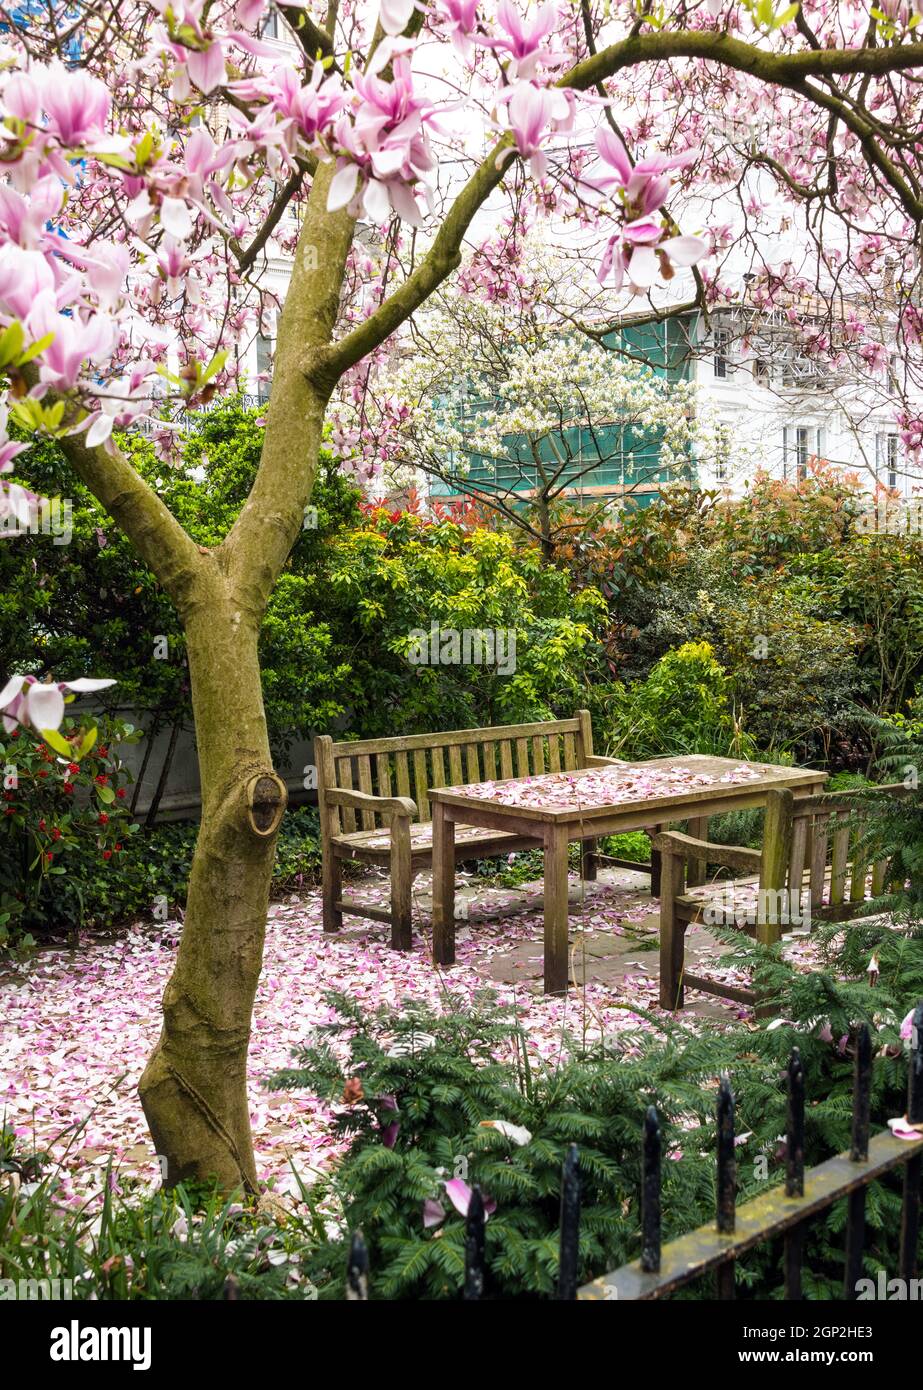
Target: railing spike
569 1259
474 1246
357 1270
727 1159
650 1193
794 1145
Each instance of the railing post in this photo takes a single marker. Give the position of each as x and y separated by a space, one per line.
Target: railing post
474 1246
794 1171
357 1270
727 1181
858 1152
650 1194
569 1258
910 1220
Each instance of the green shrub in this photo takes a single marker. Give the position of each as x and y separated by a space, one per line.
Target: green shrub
681 707
185 1244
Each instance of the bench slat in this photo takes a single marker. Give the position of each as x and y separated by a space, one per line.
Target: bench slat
506 759
345 782
538 754
490 761
471 759
402 773
879 872
421 780
819 860
838 864
383 773
365 785
796 861
522 757
570 752
554 753
456 776
860 866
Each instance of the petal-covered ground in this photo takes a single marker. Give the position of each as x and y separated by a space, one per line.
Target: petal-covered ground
79 1024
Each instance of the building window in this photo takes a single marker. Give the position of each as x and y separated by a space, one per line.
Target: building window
721 346
761 371
263 366
886 457
272 26
799 444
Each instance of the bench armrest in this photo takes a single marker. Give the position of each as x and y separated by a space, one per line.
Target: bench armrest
729 856
362 801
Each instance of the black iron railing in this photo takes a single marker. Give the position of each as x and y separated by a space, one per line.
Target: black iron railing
785 1211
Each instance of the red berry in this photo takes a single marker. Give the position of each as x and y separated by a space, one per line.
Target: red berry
103 819
73 767
121 793
101 752
117 848
41 824
42 772
107 853
48 856
56 834
101 779
11 810
68 787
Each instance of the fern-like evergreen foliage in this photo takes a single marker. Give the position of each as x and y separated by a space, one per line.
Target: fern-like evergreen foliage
418 1089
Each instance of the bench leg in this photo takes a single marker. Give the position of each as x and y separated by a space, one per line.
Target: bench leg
401 884
588 861
556 909
672 935
332 890
443 887
697 869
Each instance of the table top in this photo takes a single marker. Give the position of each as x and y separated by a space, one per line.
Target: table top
654 784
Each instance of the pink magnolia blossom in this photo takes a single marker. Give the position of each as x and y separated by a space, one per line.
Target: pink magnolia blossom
75 341
26 700
533 112
525 41
76 105
460 1194
458 18
206 67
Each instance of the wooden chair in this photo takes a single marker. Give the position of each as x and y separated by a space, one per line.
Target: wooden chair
367 813
814 865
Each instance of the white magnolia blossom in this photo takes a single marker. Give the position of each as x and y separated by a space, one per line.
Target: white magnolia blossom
480 381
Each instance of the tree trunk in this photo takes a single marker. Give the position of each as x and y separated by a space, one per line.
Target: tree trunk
194 1087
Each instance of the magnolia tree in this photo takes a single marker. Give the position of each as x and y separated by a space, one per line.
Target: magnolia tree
499 401
152 153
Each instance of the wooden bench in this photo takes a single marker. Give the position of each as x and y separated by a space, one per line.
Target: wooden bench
365 789
815 862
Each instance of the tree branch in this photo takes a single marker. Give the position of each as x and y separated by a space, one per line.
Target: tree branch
788 70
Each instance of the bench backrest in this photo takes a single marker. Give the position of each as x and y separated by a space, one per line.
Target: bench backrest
824 846
410 765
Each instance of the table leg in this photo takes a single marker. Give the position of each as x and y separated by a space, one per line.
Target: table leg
443 886
555 909
655 864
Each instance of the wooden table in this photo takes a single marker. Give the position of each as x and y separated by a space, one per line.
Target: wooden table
562 807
